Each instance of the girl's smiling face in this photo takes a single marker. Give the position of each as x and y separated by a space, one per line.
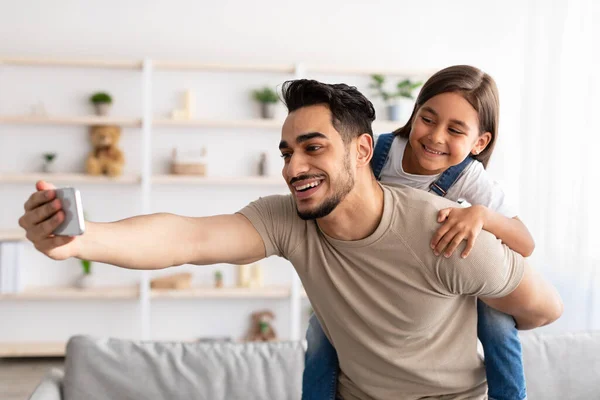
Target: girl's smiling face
444 132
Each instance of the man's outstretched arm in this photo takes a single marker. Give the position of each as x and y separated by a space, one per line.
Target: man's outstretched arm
144 242
534 303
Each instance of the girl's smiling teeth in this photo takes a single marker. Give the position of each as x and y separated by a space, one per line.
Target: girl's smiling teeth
429 150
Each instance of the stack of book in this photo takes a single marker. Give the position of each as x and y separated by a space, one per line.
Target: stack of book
10 266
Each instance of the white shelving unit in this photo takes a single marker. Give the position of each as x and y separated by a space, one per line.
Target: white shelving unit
216 181
267 292
206 123
69 121
71 293
146 179
133 293
69 178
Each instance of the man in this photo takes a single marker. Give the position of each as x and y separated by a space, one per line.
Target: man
402 320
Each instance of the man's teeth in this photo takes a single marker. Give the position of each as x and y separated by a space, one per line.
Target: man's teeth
308 185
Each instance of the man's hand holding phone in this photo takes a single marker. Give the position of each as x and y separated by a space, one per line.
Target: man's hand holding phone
50 214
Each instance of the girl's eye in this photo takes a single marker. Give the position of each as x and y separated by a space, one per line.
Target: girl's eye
455 131
426 120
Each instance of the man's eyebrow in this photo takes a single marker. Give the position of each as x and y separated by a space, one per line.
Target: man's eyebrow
455 121
303 138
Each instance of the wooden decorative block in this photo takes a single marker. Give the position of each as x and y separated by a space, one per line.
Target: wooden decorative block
177 281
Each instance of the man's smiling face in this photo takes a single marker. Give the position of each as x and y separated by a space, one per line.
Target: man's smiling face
317 165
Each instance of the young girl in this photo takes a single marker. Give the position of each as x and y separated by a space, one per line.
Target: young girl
444 148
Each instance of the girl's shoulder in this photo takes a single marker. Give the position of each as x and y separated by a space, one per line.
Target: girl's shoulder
474 176
477 186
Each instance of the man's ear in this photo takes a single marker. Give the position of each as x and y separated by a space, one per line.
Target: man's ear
364 150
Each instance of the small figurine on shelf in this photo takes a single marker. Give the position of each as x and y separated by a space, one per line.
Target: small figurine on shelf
189 106
256 279
218 279
243 276
48 166
102 102
262 165
261 329
105 157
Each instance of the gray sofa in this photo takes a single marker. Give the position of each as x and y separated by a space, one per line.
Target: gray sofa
561 367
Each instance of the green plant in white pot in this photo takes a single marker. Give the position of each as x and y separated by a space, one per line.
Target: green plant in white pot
404 90
102 102
268 99
84 280
48 165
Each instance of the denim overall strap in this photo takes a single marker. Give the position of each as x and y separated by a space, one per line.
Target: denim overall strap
380 155
448 177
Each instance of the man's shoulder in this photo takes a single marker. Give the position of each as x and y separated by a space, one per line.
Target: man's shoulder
275 205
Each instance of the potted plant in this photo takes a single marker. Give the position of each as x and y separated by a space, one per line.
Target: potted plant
268 99
218 279
84 280
48 165
102 102
404 90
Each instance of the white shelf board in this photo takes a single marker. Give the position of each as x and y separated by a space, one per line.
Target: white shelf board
216 123
69 121
72 293
378 126
218 181
337 70
11 235
222 67
67 178
267 292
32 349
77 63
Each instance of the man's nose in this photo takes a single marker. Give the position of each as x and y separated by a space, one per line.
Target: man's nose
296 166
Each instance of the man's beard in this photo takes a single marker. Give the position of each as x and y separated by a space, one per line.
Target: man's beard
332 202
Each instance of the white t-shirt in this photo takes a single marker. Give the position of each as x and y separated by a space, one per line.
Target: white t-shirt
474 185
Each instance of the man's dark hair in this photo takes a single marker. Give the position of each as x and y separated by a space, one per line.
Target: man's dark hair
351 112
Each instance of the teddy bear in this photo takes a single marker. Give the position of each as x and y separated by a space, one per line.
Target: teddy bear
260 328
106 157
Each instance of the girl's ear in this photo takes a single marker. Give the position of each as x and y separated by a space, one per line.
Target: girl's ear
364 150
481 143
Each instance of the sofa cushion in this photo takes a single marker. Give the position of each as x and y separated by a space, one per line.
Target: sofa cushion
125 369
559 367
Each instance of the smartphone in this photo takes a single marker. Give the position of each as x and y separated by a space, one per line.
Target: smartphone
74 224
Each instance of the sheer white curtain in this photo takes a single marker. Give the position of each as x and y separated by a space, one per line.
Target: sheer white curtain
559 155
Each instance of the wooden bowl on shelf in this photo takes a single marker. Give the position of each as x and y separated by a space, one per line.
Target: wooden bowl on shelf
188 167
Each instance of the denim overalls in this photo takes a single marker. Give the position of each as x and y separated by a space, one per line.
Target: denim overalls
496 330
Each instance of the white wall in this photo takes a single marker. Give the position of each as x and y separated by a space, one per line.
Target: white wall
380 34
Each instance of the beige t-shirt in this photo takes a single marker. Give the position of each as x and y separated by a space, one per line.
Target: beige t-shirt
402 320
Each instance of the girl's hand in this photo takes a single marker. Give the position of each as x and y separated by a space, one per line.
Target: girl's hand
460 224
